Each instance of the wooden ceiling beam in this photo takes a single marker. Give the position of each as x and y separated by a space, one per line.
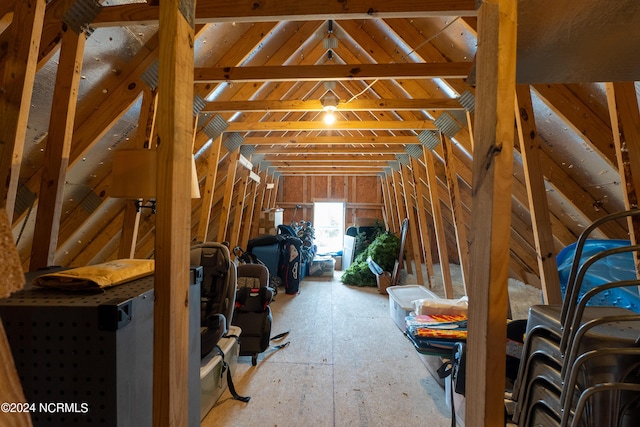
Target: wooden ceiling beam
328 173
316 105
210 11
298 73
330 140
339 125
329 164
281 149
321 158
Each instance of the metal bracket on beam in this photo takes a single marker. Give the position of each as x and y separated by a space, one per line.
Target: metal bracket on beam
80 14
216 127
429 139
233 142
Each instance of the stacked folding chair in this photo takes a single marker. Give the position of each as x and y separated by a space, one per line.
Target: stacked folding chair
581 363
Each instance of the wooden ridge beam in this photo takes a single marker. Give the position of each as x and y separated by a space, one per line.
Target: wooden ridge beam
277 105
210 11
339 125
337 72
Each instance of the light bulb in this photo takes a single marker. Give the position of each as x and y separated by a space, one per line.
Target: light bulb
329 118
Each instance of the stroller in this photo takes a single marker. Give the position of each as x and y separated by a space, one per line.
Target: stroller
253 312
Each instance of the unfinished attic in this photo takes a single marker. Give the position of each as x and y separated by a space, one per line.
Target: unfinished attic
506 133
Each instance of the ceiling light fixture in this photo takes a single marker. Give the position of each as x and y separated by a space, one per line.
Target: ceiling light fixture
329 106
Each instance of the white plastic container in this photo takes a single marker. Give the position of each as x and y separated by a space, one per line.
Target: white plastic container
212 384
400 298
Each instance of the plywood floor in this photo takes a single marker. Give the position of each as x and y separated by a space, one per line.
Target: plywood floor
347 365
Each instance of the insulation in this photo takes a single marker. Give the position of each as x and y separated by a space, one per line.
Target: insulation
11 275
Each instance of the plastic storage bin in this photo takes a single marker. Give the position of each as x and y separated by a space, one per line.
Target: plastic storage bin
212 383
400 298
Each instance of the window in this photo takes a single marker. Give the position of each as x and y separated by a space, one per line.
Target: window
329 226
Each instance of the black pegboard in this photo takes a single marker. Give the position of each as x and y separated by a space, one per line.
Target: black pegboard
73 369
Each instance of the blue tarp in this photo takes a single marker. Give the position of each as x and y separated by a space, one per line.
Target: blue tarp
610 269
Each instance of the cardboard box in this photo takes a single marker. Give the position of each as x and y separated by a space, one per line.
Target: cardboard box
383 281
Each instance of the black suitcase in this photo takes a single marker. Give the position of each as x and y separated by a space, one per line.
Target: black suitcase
289 268
268 250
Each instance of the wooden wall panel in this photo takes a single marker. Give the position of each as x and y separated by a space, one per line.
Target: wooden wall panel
319 189
338 187
356 192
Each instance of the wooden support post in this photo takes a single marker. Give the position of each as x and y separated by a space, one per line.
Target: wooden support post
491 212
234 237
413 223
394 225
457 211
273 197
146 129
259 207
65 97
17 73
441 237
395 189
228 195
130 227
385 204
247 223
530 148
425 236
173 219
625 122
403 212
209 186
